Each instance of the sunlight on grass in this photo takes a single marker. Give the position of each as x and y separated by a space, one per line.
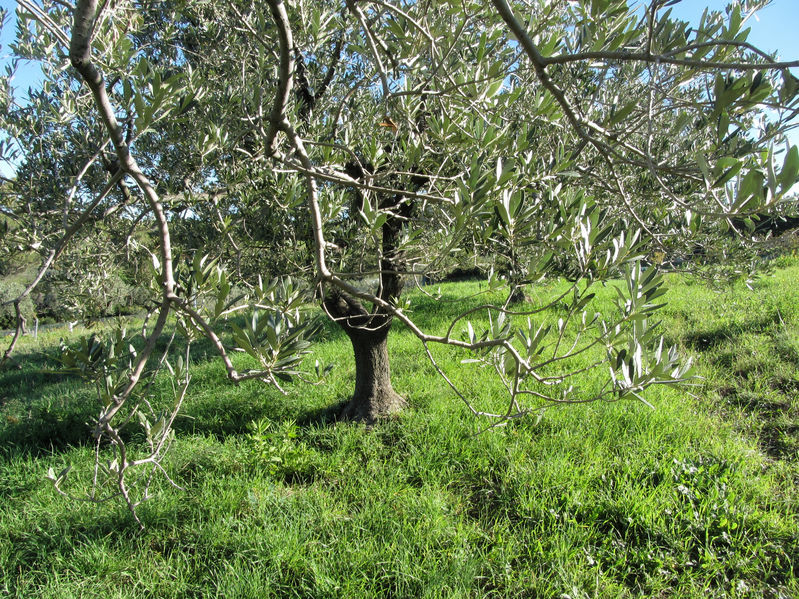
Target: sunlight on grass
697 498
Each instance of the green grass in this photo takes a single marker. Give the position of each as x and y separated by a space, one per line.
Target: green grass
699 498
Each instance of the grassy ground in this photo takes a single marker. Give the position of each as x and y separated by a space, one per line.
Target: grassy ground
699 498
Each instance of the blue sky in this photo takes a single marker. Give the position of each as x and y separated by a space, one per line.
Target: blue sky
773 29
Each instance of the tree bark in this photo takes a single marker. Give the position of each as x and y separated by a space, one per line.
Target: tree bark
374 397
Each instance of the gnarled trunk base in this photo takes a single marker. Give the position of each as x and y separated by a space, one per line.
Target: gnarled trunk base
374 397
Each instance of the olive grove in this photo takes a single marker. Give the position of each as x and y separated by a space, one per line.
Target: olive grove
240 160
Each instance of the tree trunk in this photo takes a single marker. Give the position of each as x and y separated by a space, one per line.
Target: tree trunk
374 397
516 295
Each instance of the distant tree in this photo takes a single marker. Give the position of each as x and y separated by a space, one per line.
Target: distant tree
364 144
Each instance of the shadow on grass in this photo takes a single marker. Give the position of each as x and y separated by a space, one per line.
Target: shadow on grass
702 339
777 418
781 442
29 386
207 419
42 410
324 415
45 431
754 359
46 426
766 389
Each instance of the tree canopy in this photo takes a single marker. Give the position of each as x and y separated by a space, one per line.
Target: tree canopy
237 160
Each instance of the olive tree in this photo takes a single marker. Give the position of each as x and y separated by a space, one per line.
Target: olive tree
371 143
